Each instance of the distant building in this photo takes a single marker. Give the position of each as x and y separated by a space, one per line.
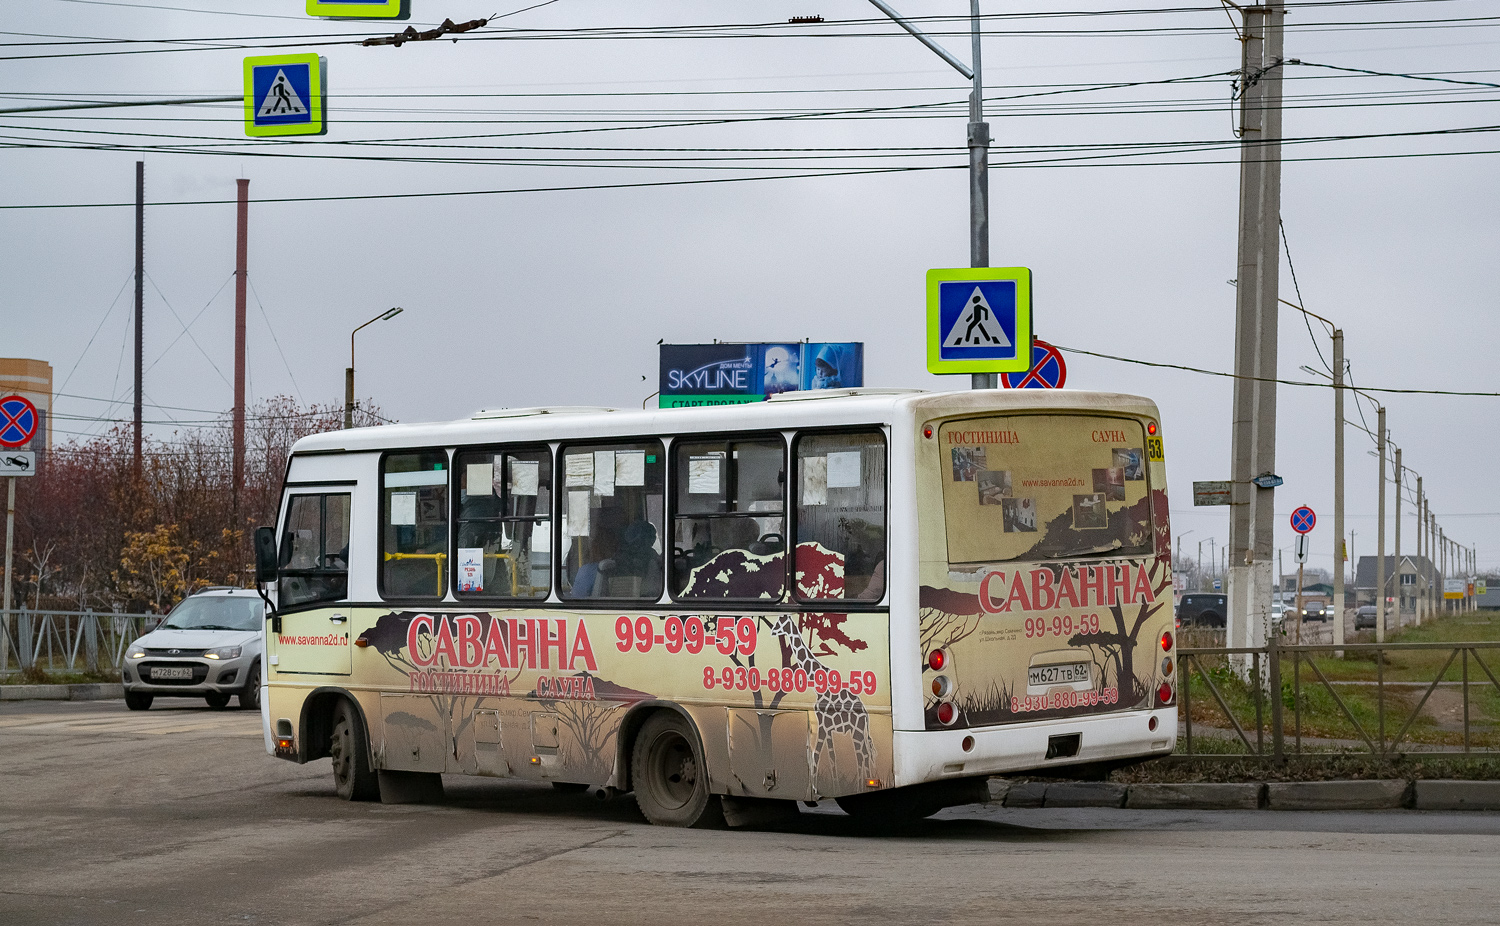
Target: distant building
32 379
1414 577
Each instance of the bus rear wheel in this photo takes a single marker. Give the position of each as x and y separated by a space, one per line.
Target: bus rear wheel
670 777
353 778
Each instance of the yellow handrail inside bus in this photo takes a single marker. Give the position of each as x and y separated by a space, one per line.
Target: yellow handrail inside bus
437 560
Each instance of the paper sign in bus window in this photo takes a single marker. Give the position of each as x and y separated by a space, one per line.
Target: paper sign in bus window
1129 459
580 470
703 475
471 569
479 479
843 469
814 480
578 513
403 509
968 463
525 476
1089 513
630 468
604 472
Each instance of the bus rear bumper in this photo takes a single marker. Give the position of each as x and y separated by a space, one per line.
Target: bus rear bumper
934 755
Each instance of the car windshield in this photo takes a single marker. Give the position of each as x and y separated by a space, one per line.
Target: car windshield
217 612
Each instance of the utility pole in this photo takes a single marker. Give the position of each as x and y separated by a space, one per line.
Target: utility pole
1397 566
1338 485
241 248
1380 531
1422 577
140 302
1253 444
979 148
1442 582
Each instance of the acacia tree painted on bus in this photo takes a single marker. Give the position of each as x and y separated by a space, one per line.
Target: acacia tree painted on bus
389 638
591 725
1117 645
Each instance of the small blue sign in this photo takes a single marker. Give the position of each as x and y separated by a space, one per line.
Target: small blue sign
977 319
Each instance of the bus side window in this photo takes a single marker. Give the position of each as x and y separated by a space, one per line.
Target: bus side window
841 486
612 515
504 524
728 519
414 525
314 558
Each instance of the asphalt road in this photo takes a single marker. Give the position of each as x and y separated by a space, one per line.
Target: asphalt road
177 815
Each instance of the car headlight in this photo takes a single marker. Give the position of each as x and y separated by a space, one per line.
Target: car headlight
136 652
222 652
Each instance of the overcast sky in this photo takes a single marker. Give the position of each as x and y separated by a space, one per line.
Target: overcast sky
560 297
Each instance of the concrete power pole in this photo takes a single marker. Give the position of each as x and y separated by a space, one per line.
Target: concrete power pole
1399 597
241 248
1338 485
140 302
1253 445
1421 593
1380 531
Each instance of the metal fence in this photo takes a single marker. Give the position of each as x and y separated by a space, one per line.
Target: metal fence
68 641
1275 735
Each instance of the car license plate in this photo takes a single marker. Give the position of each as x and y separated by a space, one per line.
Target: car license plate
1072 673
171 672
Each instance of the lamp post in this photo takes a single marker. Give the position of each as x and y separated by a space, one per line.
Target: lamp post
349 373
978 143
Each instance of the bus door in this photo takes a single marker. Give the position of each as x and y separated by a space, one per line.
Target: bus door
312 586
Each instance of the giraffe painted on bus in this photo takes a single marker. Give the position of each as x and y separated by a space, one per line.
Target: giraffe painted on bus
837 712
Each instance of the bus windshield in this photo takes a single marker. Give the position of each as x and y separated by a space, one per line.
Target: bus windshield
1044 487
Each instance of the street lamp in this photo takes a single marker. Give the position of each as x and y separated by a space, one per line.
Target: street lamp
978 143
349 373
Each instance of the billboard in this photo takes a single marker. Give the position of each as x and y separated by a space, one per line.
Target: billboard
733 374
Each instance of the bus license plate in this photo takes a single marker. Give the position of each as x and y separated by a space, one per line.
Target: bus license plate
171 672
1072 673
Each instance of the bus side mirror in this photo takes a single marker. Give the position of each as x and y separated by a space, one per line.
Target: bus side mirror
265 555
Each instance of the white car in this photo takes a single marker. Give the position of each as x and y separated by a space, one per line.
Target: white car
210 646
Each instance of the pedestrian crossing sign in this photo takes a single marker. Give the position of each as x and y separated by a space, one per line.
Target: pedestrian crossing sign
979 320
284 95
359 9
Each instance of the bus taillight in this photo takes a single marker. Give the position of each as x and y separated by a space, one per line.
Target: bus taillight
1164 693
946 713
942 686
1166 665
1166 641
936 660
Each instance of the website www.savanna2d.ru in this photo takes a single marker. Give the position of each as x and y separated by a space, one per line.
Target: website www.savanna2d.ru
328 639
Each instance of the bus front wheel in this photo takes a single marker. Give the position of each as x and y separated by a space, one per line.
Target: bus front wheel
669 775
349 748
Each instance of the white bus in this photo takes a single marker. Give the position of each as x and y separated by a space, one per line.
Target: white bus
881 597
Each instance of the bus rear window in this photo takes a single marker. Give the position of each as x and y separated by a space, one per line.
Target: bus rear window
1044 487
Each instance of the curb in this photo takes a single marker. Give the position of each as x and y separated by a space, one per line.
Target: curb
1338 795
1380 794
1248 796
85 692
1458 795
